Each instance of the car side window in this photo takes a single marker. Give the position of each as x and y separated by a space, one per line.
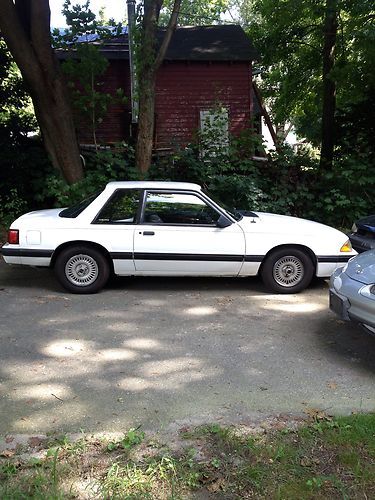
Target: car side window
178 208
121 208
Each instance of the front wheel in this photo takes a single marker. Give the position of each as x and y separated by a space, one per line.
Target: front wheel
287 270
82 269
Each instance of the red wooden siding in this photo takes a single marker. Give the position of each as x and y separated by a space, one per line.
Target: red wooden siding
184 89
116 124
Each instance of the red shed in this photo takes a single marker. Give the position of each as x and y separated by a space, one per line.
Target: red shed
206 69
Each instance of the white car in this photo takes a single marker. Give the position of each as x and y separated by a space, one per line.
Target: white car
172 229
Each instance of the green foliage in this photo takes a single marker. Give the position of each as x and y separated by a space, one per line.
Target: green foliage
11 206
86 65
289 38
196 12
22 158
101 167
16 116
287 182
133 437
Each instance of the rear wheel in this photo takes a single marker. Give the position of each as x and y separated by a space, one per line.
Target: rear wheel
82 269
287 270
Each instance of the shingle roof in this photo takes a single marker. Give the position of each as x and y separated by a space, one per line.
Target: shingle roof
197 43
210 43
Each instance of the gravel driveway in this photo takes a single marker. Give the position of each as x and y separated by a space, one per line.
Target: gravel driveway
163 352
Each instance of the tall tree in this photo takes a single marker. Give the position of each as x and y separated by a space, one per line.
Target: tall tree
329 85
294 37
150 57
25 26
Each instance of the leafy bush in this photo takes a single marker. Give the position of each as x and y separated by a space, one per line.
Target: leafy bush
101 167
287 182
11 206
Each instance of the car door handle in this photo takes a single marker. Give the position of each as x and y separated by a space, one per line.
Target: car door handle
148 233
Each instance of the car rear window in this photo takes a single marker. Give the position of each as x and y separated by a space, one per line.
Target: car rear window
78 208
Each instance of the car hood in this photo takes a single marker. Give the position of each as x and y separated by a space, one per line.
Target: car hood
285 224
362 267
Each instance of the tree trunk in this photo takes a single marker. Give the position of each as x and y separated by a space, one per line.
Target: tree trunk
329 86
149 62
145 138
25 26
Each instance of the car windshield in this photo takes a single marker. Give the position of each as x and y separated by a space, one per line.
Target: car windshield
78 208
231 211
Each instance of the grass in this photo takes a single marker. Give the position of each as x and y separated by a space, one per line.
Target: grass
324 459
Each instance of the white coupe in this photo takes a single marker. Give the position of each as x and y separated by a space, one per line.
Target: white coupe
172 229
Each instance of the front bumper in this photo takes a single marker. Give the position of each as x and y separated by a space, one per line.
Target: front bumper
347 302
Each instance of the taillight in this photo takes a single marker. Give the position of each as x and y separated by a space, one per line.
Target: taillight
13 236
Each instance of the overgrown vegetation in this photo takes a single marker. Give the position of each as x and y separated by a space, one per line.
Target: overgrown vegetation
288 182
328 458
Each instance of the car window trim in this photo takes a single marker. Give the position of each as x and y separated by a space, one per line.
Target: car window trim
206 200
137 215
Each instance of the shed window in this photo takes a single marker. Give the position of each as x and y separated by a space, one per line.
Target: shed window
214 131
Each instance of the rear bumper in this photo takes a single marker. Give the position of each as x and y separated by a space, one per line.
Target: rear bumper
13 254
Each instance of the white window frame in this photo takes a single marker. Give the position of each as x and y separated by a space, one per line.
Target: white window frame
214 130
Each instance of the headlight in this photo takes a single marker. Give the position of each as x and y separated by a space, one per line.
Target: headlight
368 291
354 228
347 247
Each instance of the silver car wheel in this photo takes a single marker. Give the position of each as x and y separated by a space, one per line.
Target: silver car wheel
288 271
81 270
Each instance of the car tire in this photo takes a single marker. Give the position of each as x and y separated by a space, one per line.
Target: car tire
287 270
81 269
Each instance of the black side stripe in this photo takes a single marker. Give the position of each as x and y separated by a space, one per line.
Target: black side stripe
121 255
212 257
334 258
187 257
254 258
22 252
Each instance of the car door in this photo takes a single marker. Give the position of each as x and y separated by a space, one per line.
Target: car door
118 220
179 235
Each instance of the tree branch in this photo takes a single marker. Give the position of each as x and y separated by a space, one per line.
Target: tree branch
168 34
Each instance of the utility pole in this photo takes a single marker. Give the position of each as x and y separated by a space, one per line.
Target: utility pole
132 66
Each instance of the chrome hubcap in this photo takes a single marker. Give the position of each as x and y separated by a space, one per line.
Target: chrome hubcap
288 271
81 270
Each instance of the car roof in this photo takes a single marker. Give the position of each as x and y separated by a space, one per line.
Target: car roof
153 185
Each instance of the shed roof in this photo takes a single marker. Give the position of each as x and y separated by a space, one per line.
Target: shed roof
210 43
191 43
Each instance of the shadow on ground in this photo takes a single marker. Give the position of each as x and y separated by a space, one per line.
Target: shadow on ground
159 352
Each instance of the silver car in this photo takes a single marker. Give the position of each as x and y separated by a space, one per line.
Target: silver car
352 291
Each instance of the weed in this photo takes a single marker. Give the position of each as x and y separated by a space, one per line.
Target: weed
131 439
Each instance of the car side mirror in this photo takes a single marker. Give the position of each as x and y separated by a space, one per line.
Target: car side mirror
223 222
